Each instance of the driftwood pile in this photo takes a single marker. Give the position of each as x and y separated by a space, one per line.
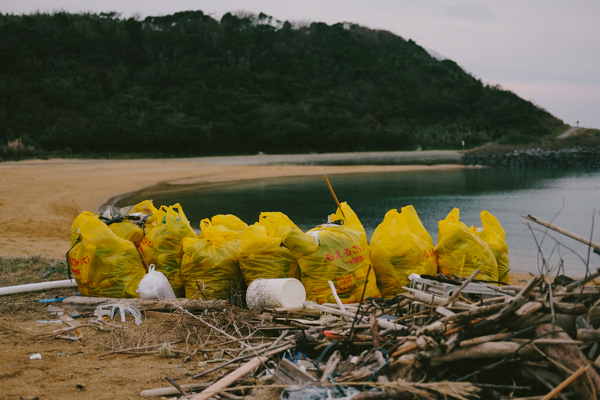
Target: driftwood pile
532 342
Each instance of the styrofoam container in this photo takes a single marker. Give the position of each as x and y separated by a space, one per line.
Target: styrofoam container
275 293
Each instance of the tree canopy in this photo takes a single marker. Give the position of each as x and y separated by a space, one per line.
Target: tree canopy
188 84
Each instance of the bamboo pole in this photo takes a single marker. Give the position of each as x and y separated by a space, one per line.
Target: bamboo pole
331 190
334 196
565 232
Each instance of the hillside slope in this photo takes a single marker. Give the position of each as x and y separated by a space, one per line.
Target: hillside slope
187 84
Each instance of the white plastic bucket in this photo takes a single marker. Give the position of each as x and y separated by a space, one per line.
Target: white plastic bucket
275 293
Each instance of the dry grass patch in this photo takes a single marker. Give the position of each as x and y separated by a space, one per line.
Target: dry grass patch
23 270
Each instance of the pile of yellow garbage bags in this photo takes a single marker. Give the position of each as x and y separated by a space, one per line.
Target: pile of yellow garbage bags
111 253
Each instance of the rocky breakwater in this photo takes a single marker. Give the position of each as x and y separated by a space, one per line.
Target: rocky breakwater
579 157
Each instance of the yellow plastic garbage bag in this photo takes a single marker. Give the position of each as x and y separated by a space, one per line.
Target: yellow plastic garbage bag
277 224
129 228
229 221
163 247
493 234
401 246
145 207
262 255
103 264
210 263
461 252
336 251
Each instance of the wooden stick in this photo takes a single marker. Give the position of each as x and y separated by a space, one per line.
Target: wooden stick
571 357
591 335
374 330
143 259
464 285
386 324
226 363
476 313
565 308
171 390
460 328
583 281
566 383
511 306
528 308
279 339
556 341
405 350
484 339
565 232
229 379
228 395
172 382
544 378
482 351
452 342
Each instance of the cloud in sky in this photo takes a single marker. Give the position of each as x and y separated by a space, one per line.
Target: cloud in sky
547 51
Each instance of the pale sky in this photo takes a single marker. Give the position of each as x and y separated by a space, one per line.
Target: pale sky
546 51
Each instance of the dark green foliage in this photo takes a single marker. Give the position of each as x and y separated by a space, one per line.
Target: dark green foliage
585 137
187 84
518 139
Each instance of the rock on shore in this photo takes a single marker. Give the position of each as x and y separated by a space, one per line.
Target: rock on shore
579 157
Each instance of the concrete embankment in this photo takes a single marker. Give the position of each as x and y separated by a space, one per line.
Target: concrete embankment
579 157
429 157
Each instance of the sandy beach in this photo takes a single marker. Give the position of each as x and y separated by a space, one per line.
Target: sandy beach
40 199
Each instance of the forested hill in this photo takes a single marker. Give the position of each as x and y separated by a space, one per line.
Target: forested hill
187 84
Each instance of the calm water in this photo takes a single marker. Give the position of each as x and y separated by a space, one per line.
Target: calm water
570 196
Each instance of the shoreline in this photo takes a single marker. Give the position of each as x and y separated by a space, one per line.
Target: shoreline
292 172
41 198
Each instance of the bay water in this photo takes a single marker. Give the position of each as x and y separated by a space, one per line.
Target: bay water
567 197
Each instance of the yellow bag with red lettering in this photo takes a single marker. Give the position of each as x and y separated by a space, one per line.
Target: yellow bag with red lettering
262 255
401 246
210 263
336 251
104 265
493 234
163 244
461 251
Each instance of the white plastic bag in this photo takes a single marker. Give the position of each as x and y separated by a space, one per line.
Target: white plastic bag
155 285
